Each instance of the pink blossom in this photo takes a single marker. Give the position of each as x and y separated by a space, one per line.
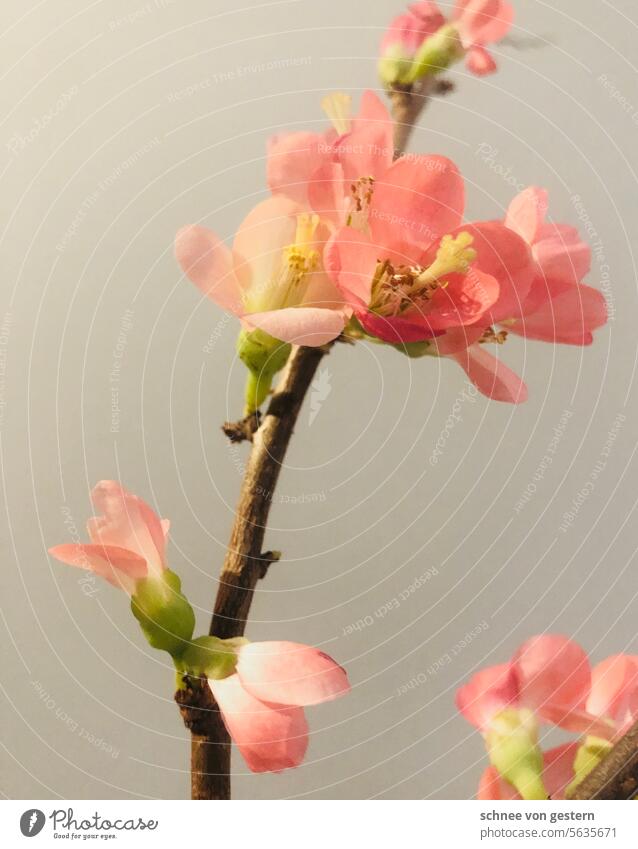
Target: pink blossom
558 307
549 675
262 702
408 31
272 279
481 22
558 774
128 540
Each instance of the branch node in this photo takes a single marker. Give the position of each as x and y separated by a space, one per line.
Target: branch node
266 560
244 429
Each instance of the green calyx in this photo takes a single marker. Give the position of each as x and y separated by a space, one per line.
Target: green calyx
395 67
588 756
164 614
436 54
263 356
210 657
512 744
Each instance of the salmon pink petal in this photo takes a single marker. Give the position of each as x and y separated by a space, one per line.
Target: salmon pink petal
558 769
368 149
292 160
487 693
351 259
270 737
208 262
569 316
127 522
504 255
493 788
457 339
526 213
425 195
552 670
397 330
118 566
463 301
614 689
483 21
310 326
561 253
263 234
327 193
480 61
577 721
290 674
490 376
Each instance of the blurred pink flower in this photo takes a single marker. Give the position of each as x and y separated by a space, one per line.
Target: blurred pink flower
408 31
272 279
558 774
127 541
481 22
262 702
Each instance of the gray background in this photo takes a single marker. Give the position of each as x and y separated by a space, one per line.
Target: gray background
158 116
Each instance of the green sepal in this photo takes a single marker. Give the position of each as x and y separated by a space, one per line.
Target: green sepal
263 356
588 756
437 53
210 657
163 611
395 67
415 350
512 744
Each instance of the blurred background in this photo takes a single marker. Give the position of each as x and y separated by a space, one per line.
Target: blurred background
124 120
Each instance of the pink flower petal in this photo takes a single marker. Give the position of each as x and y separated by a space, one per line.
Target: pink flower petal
561 253
493 788
260 240
292 159
614 689
483 21
552 670
490 376
526 213
488 692
116 565
368 149
399 329
270 737
568 316
480 61
420 198
127 522
290 673
558 771
299 325
463 301
350 259
208 262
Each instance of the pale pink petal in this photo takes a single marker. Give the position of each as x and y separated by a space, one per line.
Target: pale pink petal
558 771
127 522
260 240
526 213
490 376
409 30
493 788
552 670
569 315
368 149
457 339
208 262
299 325
270 737
116 565
577 721
488 692
420 198
483 21
292 160
480 61
327 193
614 688
290 673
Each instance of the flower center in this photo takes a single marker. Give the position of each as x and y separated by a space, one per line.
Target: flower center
396 288
299 260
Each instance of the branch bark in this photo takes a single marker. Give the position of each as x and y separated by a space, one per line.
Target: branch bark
243 566
616 776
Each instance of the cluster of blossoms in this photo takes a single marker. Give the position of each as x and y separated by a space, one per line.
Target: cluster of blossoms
548 681
355 241
422 42
261 688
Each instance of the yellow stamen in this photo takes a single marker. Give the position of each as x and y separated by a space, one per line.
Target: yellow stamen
338 108
454 256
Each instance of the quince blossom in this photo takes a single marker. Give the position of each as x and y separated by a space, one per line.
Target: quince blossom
262 702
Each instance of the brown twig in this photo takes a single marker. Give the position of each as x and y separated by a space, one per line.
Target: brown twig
244 565
408 102
616 776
